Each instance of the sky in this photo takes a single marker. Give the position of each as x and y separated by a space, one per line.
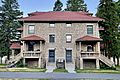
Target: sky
28 6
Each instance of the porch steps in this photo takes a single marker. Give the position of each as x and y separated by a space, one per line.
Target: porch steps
50 67
70 67
106 61
13 61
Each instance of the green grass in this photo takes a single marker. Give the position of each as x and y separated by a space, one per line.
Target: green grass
2 65
22 70
98 71
60 70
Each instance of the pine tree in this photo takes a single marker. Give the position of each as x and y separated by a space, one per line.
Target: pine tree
76 5
58 6
11 12
107 10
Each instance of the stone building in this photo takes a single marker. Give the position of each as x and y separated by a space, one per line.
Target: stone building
71 38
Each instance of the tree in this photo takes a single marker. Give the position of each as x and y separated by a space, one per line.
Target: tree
107 10
58 6
11 12
76 5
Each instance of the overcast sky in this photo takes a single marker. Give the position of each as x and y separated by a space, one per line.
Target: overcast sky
28 6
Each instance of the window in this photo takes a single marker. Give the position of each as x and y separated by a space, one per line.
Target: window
68 55
51 55
52 38
68 38
89 29
68 24
31 29
90 48
52 24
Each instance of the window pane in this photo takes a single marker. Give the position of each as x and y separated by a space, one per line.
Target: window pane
51 55
31 29
52 24
68 24
89 29
68 38
68 55
52 38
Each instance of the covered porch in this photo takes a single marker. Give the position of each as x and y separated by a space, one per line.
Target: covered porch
31 50
88 51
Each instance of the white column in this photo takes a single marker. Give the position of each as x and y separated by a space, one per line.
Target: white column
98 46
24 61
39 62
13 53
40 45
80 48
81 63
97 64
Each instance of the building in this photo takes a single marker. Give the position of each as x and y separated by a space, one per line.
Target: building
71 38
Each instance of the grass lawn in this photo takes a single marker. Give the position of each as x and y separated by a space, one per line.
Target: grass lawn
60 70
98 71
2 65
22 70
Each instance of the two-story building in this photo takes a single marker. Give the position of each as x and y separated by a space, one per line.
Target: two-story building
69 37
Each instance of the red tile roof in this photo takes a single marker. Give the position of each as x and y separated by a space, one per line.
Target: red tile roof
60 16
32 38
20 29
89 38
15 45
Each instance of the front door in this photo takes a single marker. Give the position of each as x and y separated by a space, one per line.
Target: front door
51 55
68 55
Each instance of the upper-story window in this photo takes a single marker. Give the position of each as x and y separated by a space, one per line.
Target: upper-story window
68 38
51 24
68 24
51 38
31 29
89 29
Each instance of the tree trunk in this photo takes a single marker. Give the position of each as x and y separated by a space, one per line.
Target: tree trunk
1 59
118 61
114 59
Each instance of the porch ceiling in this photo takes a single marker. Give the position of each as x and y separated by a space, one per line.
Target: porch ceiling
32 38
88 38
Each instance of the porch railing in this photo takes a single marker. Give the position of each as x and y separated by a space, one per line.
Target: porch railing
89 54
31 54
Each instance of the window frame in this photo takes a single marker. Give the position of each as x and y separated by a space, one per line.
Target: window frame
50 41
88 27
67 40
52 24
68 24
29 31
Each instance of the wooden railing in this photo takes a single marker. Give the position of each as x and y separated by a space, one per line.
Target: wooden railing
89 54
32 54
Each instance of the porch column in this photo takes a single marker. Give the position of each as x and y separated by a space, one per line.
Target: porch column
40 45
81 63
97 64
13 53
24 61
80 48
98 46
39 62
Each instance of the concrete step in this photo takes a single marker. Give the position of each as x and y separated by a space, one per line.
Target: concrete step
70 68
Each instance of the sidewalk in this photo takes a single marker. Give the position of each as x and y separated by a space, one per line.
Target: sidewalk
37 75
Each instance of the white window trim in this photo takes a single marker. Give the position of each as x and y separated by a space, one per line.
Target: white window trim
51 25
93 28
69 24
51 34
66 37
28 28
